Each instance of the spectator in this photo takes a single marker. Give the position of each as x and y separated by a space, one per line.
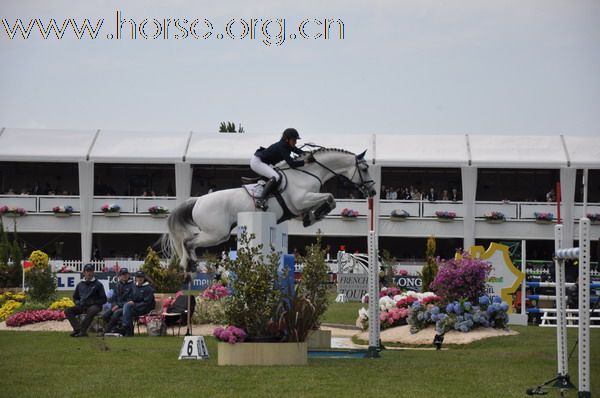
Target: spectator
454 195
141 303
123 293
89 297
550 196
406 195
11 191
393 194
387 193
431 195
445 195
415 194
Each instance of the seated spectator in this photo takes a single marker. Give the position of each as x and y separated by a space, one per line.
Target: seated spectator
445 195
11 191
141 303
406 195
123 293
550 196
89 297
393 194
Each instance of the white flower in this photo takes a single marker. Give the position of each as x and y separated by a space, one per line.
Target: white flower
386 303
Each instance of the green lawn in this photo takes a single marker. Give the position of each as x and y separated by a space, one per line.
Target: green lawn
47 364
341 313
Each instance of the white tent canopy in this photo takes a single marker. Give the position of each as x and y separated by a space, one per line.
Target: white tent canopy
390 150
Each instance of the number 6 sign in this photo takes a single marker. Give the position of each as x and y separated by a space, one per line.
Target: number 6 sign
194 347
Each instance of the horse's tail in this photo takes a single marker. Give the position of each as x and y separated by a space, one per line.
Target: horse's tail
181 227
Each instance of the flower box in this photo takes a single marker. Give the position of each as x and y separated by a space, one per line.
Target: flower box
349 214
158 211
445 216
319 339
262 354
12 211
494 217
111 210
62 211
543 218
62 215
492 221
594 218
399 215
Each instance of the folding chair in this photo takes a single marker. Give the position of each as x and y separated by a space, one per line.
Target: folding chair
177 315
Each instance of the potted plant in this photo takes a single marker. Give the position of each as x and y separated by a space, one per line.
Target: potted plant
12 211
445 215
62 211
349 214
543 218
494 217
111 210
399 215
594 218
257 307
158 211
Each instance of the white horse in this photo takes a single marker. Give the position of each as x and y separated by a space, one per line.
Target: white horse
208 220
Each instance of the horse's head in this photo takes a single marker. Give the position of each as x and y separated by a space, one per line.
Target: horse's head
361 177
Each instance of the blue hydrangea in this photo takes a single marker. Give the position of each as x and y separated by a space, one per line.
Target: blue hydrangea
450 308
484 300
497 300
435 310
467 305
504 307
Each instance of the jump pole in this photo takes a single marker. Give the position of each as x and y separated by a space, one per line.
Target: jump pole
374 326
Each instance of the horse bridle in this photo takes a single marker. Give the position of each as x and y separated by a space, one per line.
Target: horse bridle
362 186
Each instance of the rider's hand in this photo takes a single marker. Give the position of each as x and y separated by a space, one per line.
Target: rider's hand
310 158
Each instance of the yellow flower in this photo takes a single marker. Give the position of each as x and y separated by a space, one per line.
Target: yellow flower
8 309
62 304
39 259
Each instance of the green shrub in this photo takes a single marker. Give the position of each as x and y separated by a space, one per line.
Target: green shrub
430 269
165 280
41 283
314 280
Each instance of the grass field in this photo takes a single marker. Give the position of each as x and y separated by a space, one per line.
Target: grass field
51 364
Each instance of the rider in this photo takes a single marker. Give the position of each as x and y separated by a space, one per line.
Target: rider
264 158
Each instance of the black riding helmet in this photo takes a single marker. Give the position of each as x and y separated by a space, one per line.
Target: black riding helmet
291 133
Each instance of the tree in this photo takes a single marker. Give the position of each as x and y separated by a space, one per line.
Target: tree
314 280
229 127
430 269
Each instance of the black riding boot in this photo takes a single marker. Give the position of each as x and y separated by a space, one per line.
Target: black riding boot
269 187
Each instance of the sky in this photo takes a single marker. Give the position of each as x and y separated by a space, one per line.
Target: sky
402 67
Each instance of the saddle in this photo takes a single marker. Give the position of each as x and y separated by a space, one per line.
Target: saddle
255 185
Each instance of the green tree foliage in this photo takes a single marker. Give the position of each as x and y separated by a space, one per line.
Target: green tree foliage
11 256
255 298
165 280
229 127
430 269
314 280
387 265
41 284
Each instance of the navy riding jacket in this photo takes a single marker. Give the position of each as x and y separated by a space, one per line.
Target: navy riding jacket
279 151
88 293
123 293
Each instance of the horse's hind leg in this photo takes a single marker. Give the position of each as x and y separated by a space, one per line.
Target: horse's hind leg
202 239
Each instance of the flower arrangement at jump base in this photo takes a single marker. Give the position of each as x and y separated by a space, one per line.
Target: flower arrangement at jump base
63 210
230 334
445 215
109 208
349 213
399 215
12 211
158 210
210 305
543 217
494 216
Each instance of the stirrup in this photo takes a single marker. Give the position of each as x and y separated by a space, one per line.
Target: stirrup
262 204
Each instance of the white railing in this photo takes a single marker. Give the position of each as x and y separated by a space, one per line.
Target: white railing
423 209
100 265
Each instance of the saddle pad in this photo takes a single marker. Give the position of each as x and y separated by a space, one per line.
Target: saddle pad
255 190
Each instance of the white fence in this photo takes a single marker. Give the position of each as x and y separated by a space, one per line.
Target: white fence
101 265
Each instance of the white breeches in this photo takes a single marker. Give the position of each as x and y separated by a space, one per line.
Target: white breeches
263 169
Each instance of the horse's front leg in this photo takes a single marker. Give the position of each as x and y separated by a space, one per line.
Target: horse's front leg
319 205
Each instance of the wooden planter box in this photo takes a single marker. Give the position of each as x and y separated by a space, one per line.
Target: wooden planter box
161 215
440 219
319 339
543 221
263 354
495 221
398 219
344 218
13 215
63 215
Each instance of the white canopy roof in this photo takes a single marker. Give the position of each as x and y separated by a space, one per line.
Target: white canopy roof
139 147
391 150
30 145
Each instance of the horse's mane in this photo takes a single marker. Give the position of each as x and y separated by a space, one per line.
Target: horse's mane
324 150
